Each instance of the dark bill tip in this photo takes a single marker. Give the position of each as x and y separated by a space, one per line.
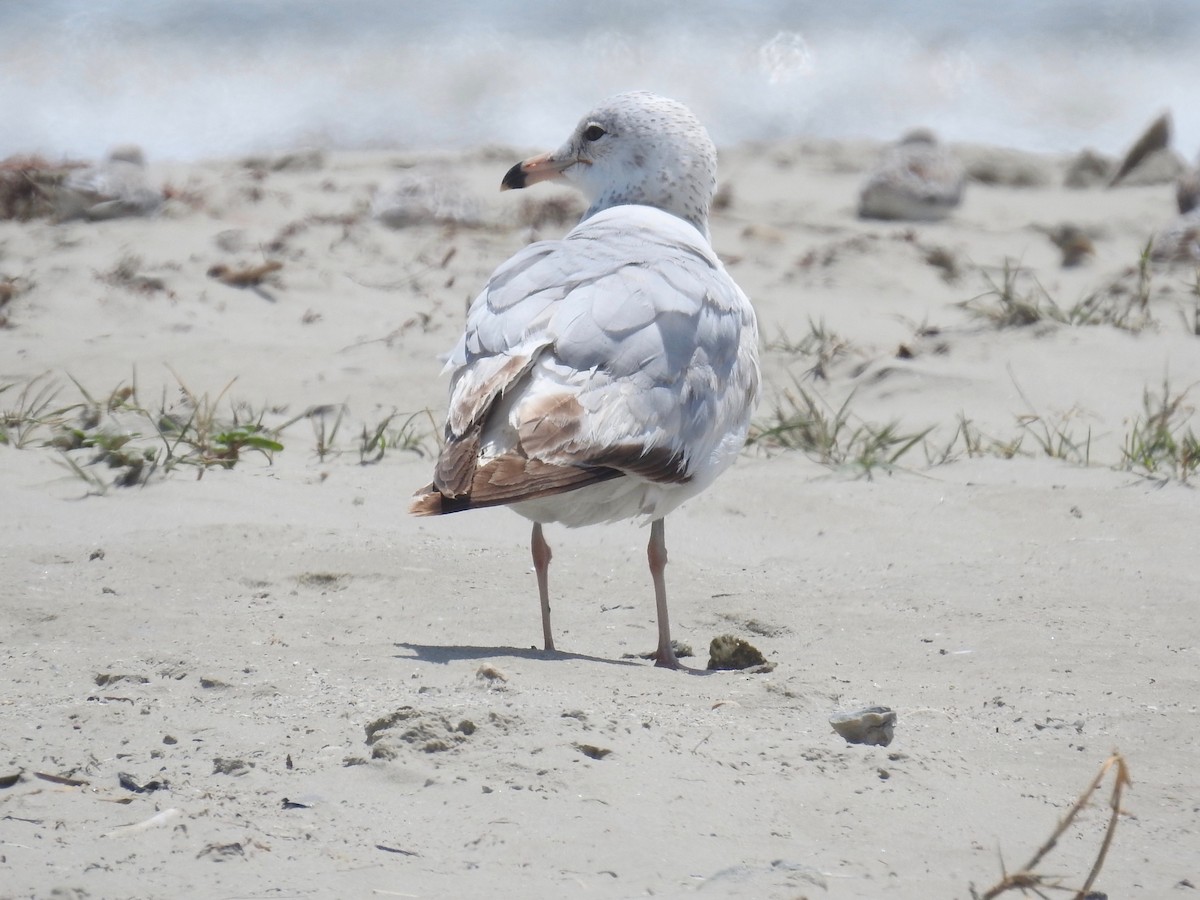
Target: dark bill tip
514 178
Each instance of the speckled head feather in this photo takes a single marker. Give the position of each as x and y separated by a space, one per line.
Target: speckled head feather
640 148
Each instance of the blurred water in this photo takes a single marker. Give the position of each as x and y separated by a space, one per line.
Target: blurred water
189 79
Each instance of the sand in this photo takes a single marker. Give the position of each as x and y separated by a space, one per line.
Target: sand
320 696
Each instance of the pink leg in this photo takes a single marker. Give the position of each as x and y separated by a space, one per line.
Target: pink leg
656 553
541 565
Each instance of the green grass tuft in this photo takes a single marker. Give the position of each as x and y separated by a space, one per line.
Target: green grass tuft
1160 443
801 421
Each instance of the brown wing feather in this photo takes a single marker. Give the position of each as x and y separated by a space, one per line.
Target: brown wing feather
509 479
552 430
512 478
550 458
455 470
551 425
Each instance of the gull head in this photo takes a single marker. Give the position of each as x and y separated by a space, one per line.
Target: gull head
636 148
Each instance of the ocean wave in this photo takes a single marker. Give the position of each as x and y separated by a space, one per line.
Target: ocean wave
189 79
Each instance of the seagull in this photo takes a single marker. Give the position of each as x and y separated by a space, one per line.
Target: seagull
1179 241
415 199
114 189
611 374
915 180
1157 139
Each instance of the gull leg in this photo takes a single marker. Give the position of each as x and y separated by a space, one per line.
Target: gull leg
656 553
541 565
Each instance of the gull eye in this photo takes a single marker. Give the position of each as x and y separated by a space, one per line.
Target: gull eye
593 133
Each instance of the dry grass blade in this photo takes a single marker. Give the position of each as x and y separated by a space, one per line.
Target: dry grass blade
34 410
1120 782
326 434
96 485
374 441
1008 304
824 345
1029 879
415 439
1016 299
1054 438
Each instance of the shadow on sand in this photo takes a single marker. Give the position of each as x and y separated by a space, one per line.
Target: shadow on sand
441 654
447 654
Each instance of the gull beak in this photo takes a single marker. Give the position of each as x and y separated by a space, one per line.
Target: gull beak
537 168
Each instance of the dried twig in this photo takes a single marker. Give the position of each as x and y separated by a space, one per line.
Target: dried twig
1028 879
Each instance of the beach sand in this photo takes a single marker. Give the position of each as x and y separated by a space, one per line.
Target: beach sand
334 699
